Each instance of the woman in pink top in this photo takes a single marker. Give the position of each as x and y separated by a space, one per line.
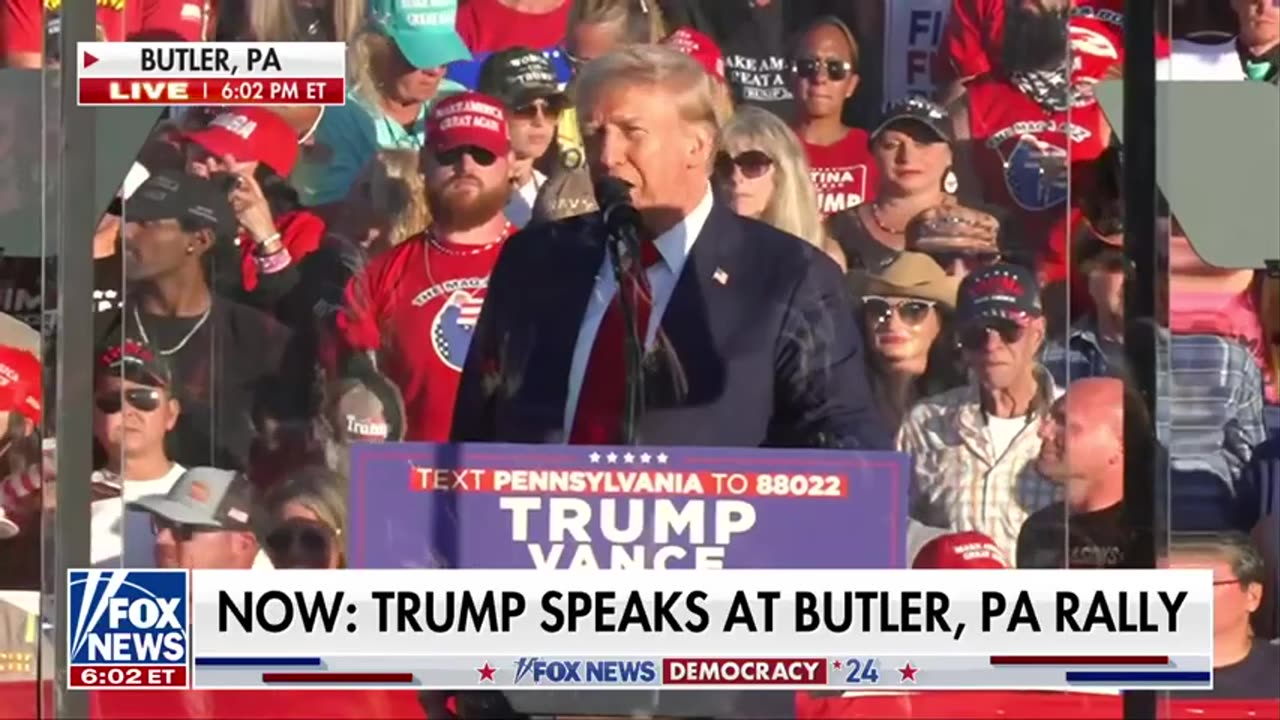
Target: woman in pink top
1206 300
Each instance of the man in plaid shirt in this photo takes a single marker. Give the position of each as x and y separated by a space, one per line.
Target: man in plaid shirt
975 447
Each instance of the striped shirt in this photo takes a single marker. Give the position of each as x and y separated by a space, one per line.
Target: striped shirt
958 483
1208 414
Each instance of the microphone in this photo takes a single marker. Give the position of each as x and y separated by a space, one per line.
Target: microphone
622 223
621 220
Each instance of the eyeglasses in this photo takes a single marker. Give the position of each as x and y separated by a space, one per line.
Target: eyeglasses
301 540
144 399
810 68
911 312
548 109
753 163
182 532
453 156
975 338
1228 581
970 260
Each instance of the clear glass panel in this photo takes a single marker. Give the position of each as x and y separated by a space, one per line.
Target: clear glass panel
1218 397
25 645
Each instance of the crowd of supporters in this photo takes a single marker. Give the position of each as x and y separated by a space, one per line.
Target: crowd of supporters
276 284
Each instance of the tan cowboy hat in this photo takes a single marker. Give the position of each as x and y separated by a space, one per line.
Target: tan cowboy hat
909 274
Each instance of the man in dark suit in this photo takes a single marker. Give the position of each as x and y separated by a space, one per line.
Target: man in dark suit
750 339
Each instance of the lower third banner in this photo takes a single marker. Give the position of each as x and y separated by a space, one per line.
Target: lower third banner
421 505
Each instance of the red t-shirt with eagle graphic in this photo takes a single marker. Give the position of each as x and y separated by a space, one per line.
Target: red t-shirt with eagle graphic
417 306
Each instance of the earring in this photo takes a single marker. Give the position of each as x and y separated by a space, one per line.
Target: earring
191 249
950 183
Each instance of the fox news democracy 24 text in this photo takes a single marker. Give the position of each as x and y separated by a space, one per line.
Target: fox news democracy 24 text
797 629
237 73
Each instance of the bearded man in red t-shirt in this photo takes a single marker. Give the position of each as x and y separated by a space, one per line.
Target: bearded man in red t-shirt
1018 130
412 310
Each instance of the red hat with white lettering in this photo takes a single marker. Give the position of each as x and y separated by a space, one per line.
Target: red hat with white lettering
468 119
248 134
960 551
700 47
20 382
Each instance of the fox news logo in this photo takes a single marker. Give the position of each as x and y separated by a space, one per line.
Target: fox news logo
128 628
571 672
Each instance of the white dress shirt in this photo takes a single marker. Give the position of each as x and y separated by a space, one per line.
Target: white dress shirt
673 247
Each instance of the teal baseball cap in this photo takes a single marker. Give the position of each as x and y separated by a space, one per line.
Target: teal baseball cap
422 29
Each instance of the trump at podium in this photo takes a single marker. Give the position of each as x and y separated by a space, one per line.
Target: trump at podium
749 337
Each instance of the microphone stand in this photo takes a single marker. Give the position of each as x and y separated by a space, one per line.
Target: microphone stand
624 246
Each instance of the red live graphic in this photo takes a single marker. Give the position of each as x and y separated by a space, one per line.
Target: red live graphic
127 676
212 91
744 671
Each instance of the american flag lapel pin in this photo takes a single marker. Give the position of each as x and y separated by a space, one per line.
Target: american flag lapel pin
720 276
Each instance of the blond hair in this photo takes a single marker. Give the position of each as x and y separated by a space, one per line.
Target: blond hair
637 21
318 489
793 206
398 191
367 52
691 88
275 21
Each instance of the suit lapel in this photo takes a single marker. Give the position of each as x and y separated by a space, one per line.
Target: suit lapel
686 366
574 256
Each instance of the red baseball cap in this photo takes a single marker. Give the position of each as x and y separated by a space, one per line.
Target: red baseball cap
20 383
468 118
960 551
700 47
250 133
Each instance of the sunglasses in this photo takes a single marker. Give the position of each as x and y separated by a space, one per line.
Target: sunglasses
969 260
301 540
453 156
975 338
810 68
144 399
911 312
753 163
546 109
182 532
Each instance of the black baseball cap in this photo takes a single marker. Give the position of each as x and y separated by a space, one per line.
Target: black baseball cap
919 110
1002 291
518 76
171 195
136 361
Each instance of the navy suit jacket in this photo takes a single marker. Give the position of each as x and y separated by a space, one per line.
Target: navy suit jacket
772 356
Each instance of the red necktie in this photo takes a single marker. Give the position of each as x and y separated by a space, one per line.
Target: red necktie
602 398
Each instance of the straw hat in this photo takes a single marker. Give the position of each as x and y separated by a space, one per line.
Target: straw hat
909 274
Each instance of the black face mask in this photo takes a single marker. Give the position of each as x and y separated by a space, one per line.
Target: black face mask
1035 40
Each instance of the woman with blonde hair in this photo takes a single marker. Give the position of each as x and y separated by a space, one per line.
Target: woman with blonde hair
305 520
763 174
304 20
397 69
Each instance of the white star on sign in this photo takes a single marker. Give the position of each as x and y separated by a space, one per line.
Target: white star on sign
595 457
662 458
644 457
612 457
629 457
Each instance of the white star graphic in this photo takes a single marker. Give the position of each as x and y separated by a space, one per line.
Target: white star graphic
629 457
595 457
644 457
662 458
611 457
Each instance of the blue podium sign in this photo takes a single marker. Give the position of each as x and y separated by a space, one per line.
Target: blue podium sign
571 506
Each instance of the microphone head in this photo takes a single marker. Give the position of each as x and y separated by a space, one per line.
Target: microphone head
613 196
612 191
